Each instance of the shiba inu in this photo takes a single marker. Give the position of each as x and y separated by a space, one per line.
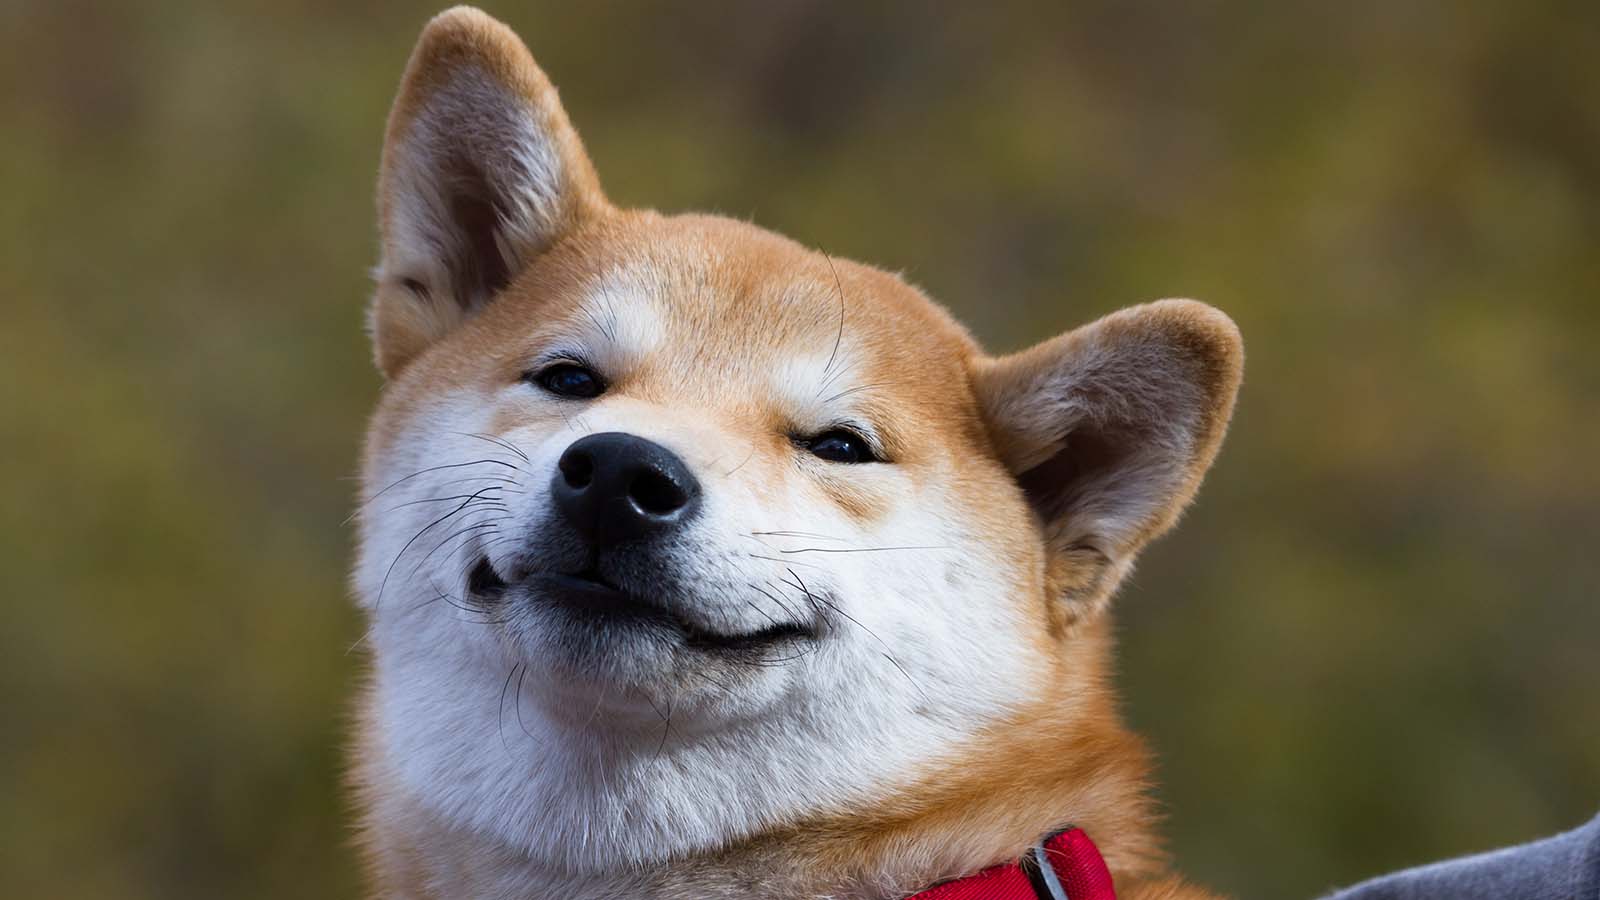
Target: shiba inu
701 564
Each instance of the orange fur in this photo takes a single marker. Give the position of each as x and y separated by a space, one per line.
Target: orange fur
743 300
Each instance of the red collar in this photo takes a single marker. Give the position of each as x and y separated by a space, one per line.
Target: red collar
1064 866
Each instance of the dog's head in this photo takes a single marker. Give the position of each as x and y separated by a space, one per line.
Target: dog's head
675 530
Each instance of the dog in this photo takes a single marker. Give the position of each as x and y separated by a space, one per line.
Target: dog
697 563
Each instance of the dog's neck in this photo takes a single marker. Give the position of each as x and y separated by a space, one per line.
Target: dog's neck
1064 759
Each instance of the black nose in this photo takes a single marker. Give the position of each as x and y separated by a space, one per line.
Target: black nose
616 487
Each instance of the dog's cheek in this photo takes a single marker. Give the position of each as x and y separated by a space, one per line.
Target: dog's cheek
991 568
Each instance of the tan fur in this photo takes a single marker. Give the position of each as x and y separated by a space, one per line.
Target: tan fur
1200 354
1065 753
460 39
743 300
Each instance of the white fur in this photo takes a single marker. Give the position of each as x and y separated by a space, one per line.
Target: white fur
561 780
617 329
582 780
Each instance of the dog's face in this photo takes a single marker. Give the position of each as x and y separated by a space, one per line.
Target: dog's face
696 467
674 530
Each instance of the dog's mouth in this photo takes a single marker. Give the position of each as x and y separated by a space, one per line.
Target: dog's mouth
586 597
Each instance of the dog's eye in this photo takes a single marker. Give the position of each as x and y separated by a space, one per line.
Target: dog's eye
569 380
841 446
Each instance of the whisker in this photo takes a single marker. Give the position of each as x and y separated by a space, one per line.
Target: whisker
764 614
600 700
858 388
778 600
568 419
777 662
651 700
859 549
482 493
804 534
492 523
505 539
501 540
786 562
740 465
495 440
446 597
666 729
503 479
392 486
478 612
886 654
609 333
501 715
837 338
707 678
414 538
517 700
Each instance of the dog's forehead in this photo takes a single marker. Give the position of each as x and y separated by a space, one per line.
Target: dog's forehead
716 311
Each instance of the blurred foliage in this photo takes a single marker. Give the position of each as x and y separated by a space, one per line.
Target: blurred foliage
1373 642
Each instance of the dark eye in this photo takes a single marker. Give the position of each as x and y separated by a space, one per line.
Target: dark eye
570 380
841 446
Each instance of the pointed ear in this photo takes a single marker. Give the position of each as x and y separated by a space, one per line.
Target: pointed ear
481 172
1109 430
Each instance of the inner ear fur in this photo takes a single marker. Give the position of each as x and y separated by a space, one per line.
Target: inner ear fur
481 173
1109 430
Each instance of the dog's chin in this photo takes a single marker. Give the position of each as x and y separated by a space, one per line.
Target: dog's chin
589 628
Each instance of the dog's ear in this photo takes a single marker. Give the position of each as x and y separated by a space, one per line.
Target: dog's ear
481 172
1109 429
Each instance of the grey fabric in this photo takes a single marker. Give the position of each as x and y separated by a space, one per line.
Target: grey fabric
1564 867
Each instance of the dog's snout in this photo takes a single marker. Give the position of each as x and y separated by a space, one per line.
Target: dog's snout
617 487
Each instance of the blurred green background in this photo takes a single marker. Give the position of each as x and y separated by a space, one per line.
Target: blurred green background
1374 641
